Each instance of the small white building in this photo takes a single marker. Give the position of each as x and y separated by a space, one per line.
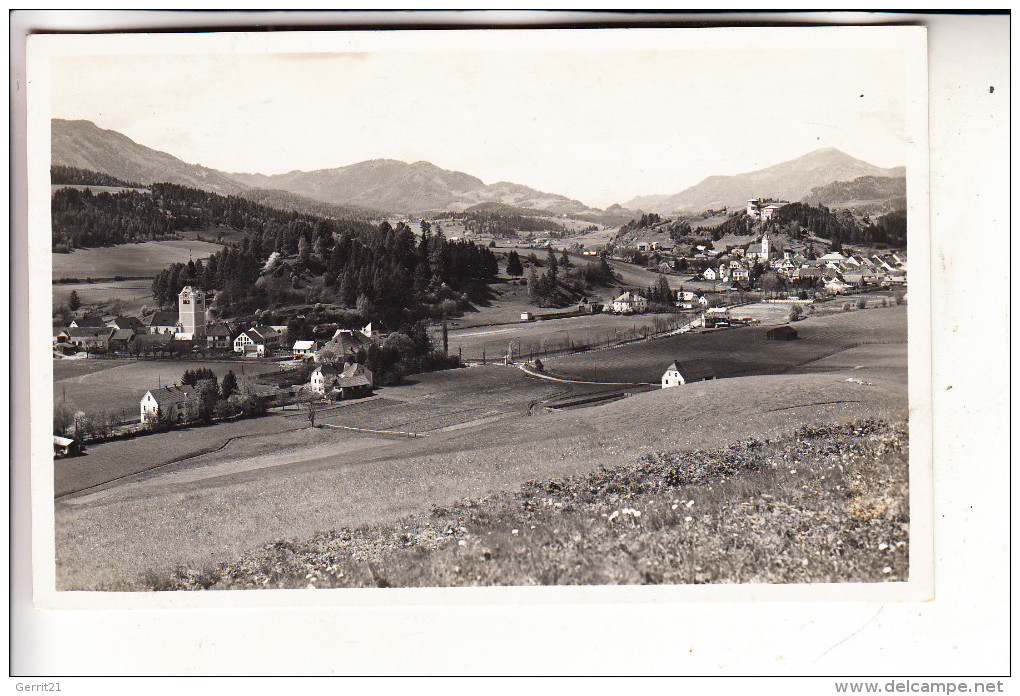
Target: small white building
303 349
685 372
630 303
174 404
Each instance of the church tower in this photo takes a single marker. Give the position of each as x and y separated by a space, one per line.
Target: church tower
191 311
765 247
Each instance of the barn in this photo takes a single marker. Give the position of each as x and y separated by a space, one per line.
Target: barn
685 372
782 333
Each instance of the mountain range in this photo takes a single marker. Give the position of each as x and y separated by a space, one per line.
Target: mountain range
790 181
398 187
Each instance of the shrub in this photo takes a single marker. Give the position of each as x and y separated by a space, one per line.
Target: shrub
847 307
862 303
795 313
899 298
538 365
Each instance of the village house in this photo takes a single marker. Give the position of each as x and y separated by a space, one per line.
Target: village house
685 299
711 274
88 320
305 349
218 336
630 303
170 405
686 371
259 340
836 286
87 338
345 345
121 339
353 381
134 324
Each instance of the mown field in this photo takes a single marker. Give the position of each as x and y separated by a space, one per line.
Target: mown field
540 336
738 351
112 385
144 259
823 504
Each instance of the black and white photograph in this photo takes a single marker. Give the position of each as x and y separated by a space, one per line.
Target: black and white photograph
482 343
398 315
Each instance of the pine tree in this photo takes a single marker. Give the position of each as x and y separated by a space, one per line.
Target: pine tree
73 301
229 385
514 267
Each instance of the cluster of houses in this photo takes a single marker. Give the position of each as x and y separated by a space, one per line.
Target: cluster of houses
92 331
834 271
337 376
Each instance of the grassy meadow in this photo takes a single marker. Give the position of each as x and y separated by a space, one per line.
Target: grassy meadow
823 504
738 351
92 384
142 260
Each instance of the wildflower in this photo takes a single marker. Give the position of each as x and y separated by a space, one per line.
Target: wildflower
690 504
793 471
514 531
883 546
887 570
675 506
461 543
613 516
688 519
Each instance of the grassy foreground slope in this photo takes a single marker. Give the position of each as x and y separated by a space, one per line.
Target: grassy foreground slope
104 541
824 504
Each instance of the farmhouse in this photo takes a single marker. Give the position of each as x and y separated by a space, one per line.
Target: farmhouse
345 344
170 404
782 333
134 324
352 381
121 339
65 447
685 372
630 303
88 320
87 337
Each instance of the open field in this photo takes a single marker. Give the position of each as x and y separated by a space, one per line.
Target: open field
739 351
155 524
820 505
425 403
132 294
143 259
112 385
552 334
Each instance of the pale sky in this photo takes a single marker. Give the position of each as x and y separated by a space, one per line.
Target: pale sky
598 126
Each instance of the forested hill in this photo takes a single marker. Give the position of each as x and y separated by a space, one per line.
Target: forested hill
382 274
799 219
285 258
889 229
83 219
72 176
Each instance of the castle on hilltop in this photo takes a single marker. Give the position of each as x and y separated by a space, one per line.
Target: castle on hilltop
763 208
